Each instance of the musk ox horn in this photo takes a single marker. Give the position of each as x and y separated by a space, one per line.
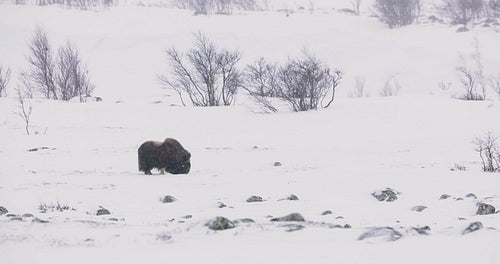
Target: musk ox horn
168 155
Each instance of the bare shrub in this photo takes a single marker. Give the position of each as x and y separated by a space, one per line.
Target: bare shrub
359 87
4 80
302 83
489 151
72 75
391 87
494 83
261 81
205 7
397 13
209 76
62 78
41 71
494 6
24 107
462 11
471 76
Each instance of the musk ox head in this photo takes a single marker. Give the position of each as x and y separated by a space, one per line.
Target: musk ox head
168 155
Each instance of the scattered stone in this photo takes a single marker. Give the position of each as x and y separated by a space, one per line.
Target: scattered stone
277 164
444 197
40 221
168 199
163 237
27 215
10 215
296 217
380 232
473 227
388 195
37 149
3 210
20 219
421 230
187 217
244 221
255 199
113 219
485 209
103 211
471 195
292 197
220 223
462 218
293 227
327 212
419 208
347 226
339 217
221 205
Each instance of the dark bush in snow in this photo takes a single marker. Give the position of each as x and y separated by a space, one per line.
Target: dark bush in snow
397 13
62 78
462 11
489 151
302 83
209 76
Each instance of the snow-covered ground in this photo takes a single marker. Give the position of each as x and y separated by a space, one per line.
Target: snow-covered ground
332 159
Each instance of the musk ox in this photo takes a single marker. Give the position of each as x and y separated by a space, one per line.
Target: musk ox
168 155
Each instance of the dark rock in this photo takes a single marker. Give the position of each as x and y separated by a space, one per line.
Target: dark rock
27 215
388 195
187 217
471 195
20 219
292 197
244 221
419 208
421 230
221 205
40 221
10 215
220 223
382 232
347 226
3 210
327 212
291 217
103 211
473 227
277 164
485 209
255 199
168 199
444 197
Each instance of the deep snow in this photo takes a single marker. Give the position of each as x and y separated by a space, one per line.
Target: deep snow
332 159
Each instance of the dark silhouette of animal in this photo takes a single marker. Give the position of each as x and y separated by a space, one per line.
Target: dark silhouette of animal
168 155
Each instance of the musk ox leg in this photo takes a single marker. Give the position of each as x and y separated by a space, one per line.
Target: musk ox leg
147 172
162 171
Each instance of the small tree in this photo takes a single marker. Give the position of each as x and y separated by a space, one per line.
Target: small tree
494 83
489 151
472 76
4 80
42 67
62 78
397 13
303 83
72 76
209 76
462 11
24 108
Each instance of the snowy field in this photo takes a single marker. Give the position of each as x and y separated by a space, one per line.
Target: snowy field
332 159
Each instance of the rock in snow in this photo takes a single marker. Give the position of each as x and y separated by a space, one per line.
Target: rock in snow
485 209
382 232
220 223
473 227
291 217
388 195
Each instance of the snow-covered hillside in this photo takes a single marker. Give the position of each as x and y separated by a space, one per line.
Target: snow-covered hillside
82 157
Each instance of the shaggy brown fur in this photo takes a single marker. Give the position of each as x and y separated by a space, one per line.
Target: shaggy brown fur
168 155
